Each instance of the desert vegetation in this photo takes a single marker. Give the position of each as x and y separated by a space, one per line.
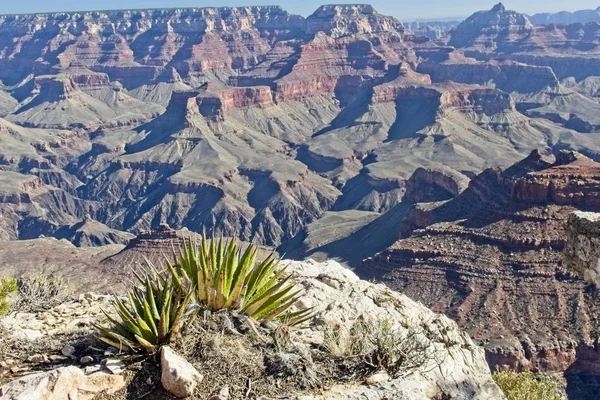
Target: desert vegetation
378 344
32 293
8 287
210 275
526 386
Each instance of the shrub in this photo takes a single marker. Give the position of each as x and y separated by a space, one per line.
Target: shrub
381 345
8 287
152 315
225 278
526 386
41 292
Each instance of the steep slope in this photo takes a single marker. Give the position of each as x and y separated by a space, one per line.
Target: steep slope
570 50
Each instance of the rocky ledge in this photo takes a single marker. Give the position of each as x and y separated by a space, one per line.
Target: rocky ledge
459 370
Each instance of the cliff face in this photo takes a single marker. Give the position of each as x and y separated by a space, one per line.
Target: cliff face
582 247
491 259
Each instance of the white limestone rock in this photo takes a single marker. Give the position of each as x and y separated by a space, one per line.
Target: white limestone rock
178 376
339 296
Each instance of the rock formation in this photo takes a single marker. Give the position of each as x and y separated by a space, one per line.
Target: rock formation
491 259
340 134
566 17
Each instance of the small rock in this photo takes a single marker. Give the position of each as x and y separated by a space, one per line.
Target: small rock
86 360
379 377
38 359
62 383
8 362
28 334
57 359
18 370
91 369
114 366
223 394
68 351
178 376
111 351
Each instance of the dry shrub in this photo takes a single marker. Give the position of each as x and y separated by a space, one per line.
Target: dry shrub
378 344
41 292
231 350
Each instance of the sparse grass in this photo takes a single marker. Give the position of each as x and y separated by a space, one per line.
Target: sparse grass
41 292
8 288
250 359
526 386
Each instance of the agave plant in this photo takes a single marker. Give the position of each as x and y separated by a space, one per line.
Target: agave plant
226 278
152 314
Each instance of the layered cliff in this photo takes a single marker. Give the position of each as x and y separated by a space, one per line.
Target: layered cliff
491 259
581 248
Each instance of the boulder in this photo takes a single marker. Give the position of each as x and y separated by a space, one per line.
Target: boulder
65 383
178 376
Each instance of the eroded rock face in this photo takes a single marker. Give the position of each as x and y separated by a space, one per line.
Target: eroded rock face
498 22
253 122
491 259
582 247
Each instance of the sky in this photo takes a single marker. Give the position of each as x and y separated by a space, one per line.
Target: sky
404 10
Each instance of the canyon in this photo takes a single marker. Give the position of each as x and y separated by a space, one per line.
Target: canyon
442 159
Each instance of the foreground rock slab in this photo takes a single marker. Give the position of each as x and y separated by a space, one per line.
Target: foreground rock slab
178 376
68 383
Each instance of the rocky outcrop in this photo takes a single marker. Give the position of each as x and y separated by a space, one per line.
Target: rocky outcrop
454 96
582 248
573 181
427 185
456 369
338 295
215 100
339 20
507 76
491 30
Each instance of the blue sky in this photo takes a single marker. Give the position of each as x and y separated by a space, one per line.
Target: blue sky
401 9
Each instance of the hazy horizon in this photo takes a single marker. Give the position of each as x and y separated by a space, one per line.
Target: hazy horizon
403 10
